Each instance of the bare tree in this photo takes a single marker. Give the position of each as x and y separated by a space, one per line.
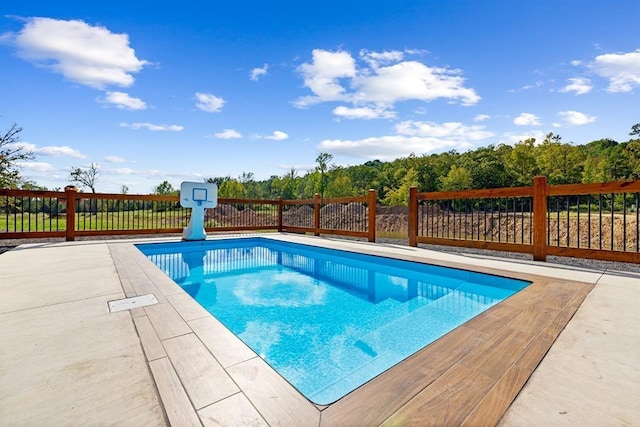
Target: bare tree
86 177
10 154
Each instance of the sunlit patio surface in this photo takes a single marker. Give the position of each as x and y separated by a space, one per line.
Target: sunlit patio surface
564 351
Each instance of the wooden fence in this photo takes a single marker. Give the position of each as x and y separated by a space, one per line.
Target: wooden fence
598 221
70 214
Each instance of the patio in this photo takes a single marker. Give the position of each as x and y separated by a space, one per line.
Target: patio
65 360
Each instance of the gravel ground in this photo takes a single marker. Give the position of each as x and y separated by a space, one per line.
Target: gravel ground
8 244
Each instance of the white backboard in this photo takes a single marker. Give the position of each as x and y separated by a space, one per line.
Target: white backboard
194 194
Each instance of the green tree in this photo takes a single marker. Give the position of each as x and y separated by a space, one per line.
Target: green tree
323 160
400 196
594 169
457 179
560 163
250 186
165 189
521 162
10 154
365 177
340 184
232 189
487 167
631 154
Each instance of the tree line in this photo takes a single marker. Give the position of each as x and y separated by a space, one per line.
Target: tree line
486 167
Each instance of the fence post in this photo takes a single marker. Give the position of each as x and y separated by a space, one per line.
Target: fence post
373 201
280 214
540 218
413 216
316 214
70 194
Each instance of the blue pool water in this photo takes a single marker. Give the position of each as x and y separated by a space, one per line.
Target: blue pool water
328 321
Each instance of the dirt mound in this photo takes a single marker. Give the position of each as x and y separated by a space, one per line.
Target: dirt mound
301 216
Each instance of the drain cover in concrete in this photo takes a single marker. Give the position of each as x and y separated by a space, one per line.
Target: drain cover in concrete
134 302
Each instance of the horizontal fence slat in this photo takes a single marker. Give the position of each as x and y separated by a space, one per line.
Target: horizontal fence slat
478 194
31 193
31 234
87 233
242 228
604 255
343 200
595 188
342 232
477 244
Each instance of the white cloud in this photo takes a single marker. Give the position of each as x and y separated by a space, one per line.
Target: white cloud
85 54
622 70
481 117
59 151
412 80
579 85
375 59
228 134
122 171
209 103
576 62
363 113
124 101
35 166
378 82
575 118
257 72
527 119
528 87
115 159
152 127
277 136
450 130
387 147
322 76
50 150
412 137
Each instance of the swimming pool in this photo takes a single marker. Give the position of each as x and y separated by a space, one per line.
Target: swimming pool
327 320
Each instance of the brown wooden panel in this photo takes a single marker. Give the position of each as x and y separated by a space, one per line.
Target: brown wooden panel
298 202
446 402
539 218
497 400
243 228
488 193
477 244
595 188
343 232
492 320
128 232
288 228
31 234
32 193
359 199
224 200
114 196
501 350
633 257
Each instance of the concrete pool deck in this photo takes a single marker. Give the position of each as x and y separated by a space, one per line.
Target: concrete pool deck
65 360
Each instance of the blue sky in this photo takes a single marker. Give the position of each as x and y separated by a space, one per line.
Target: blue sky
154 91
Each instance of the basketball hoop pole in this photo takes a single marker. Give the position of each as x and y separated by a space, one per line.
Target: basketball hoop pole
198 196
